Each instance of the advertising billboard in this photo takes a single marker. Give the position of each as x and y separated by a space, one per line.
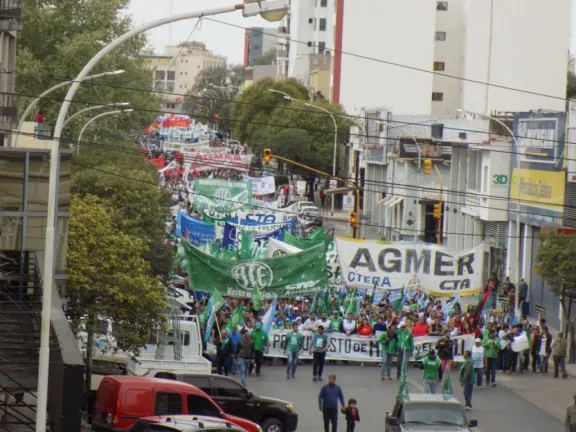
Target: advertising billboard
538 179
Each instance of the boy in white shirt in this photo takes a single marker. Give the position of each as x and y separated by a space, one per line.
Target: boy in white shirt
478 359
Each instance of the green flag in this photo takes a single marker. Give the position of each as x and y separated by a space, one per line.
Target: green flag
319 233
447 389
307 243
217 300
222 196
257 299
300 274
236 319
397 304
403 390
351 303
245 246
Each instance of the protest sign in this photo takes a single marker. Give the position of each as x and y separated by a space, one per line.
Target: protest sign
262 185
362 348
289 276
433 268
196 231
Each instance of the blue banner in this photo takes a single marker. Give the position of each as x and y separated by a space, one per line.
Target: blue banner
196 231
179 224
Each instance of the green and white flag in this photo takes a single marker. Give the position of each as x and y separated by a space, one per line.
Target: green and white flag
300 274
235 320
222 196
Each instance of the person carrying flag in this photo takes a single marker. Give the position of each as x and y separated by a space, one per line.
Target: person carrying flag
468 378
405 346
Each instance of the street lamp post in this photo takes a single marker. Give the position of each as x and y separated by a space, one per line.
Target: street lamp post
271 10
286 95
50 90
76 114
335 144
79 140
518 230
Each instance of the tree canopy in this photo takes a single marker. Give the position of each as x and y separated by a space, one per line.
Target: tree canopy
556 261
109 278
60 37
256 104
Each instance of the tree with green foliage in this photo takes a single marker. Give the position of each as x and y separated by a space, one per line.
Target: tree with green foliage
558 268
60 37
110 280
253 108
571 86
126 184
268 58
301 133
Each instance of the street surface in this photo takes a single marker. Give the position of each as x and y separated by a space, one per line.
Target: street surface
520 403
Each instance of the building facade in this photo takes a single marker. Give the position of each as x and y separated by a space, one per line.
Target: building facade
257 42
176 70
10 23
307 29
479 56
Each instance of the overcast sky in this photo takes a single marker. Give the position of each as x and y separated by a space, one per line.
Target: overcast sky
220 38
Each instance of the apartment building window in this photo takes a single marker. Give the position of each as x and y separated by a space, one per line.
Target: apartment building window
321 47
437 96
442 6
171 75
322 24
323 3
439 66
440 36
159 75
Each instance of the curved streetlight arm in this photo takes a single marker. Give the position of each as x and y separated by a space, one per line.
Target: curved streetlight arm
76 114
32 104
274 9
286 95
89 122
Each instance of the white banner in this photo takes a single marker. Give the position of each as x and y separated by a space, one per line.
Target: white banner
364 349
390 265
278 248
262 185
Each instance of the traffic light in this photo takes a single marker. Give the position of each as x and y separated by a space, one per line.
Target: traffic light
267 156
428 166
353 219
438 211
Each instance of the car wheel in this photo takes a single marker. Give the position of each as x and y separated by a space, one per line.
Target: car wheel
272 425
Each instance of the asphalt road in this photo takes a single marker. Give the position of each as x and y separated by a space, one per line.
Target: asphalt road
520 403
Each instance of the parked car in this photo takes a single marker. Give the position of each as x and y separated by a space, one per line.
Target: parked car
184 424
426 412
273 415
123 400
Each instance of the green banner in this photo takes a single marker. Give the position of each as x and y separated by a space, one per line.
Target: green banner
309 242
222 196
295 275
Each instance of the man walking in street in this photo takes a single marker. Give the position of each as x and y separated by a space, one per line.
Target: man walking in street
294 341
388 350
467 379
431 364
570 422
223 353
478 359
559 350
261 346
405 346
328 399
245 355
491 345
318 350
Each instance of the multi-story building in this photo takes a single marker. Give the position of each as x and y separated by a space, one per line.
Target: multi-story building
10 23
175 71
257 42
459 54
307 29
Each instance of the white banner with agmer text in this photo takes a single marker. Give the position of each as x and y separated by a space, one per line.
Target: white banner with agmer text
362 348
393 265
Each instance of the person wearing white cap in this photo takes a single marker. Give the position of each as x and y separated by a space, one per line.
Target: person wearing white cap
478 359
405 346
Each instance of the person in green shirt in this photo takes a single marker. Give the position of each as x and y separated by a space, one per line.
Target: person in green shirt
468 378
405 346
261 346
491 345
335 321
388 340
294 341
431 365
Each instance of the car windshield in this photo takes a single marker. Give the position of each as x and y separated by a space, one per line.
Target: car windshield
430 413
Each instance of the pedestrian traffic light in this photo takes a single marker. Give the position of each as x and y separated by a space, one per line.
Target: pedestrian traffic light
438 211
267 156
353 219
428 166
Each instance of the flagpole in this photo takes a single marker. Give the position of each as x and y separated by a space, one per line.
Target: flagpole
217 325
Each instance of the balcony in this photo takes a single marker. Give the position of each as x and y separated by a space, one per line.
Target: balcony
485 205
11 15
8 107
